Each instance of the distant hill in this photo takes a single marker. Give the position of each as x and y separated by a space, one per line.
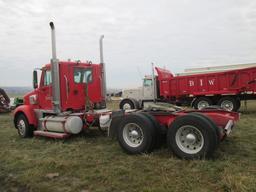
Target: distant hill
20 91
17 91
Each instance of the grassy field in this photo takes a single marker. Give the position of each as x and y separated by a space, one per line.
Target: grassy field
93 162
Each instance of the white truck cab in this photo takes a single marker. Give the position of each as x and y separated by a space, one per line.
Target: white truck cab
134 98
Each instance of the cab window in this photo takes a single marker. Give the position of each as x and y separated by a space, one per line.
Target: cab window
147 82
82 75
47 77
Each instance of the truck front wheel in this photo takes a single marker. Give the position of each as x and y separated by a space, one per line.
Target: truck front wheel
23 127
191 137
126 104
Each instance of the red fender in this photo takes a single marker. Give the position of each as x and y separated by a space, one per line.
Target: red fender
28 111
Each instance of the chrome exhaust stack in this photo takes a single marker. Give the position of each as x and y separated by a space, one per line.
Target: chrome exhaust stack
55 74
154 82
104 86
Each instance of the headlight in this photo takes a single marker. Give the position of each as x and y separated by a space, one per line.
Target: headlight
33 99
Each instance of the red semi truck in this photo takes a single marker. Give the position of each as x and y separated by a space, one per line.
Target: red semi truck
223 86
71 97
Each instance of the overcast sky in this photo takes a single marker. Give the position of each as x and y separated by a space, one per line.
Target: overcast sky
175 34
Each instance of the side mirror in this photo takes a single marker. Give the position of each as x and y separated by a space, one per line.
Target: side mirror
35 84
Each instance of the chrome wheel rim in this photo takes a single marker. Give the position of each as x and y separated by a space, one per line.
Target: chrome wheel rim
189 139
127 106
21 127
133 134
202 104
228 105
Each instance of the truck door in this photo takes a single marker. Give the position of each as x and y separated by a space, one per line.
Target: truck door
45 90
81 76
147 89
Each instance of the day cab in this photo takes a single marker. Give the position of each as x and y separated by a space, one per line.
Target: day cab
80 84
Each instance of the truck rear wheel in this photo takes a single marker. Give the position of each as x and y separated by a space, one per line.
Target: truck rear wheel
191 137
23 127
214 126
229 103
126 104
159 134
202 102
136 134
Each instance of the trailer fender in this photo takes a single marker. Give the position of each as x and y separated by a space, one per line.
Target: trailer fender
28 112
117 117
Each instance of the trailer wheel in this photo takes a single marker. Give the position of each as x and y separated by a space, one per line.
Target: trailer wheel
24 129
136 134
229 103
202 102
126 104
191 137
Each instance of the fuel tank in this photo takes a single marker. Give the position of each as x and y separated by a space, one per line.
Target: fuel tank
62 124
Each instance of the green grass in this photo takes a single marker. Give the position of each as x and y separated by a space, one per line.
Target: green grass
93 162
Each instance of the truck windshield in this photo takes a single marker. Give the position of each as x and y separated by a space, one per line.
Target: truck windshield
147 82
82 75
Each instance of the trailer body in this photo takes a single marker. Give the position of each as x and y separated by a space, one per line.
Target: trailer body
237 83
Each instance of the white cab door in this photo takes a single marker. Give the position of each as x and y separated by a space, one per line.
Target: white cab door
147 89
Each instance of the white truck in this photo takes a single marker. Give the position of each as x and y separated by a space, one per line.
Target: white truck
135 98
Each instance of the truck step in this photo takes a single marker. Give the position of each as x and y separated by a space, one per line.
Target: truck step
51 134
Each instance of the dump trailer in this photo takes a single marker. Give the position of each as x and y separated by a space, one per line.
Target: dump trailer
70 98
223 86
4 101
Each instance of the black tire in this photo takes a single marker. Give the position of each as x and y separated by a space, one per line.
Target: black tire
238 104
24 129
160 135
206 137
144 126
125 102
229 103
198 102
136 103
214 126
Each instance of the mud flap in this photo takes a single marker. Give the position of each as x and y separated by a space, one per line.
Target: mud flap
117 117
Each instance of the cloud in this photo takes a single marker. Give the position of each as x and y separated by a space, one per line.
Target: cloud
176 34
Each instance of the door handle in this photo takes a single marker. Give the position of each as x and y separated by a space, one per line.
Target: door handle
67 85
